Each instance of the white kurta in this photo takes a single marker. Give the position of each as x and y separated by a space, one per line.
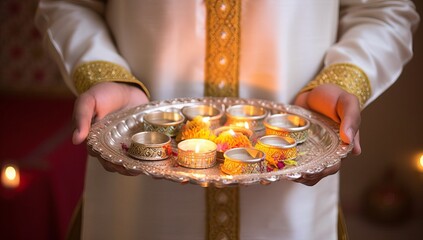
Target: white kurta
284 44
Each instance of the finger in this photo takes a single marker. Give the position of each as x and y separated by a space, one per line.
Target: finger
82 114
301 100
348 109
357 147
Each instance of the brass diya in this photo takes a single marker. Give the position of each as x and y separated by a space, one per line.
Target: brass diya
277 148
287 125
243 161
213 113
169 123
196 153
245 115
150 146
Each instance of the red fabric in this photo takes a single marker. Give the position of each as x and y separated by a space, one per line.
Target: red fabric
36 135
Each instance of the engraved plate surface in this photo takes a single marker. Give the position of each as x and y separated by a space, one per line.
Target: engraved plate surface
108 138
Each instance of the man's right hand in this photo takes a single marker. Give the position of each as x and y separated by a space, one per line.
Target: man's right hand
100 100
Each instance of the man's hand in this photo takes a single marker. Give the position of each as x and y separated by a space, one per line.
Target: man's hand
100 100
342 107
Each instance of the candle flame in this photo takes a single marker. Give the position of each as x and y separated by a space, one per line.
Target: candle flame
295 120
246 125
10 176
10 172
197 148
232 132
206 119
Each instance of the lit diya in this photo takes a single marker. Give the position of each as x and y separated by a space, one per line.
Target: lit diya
196 153
211 112
239 115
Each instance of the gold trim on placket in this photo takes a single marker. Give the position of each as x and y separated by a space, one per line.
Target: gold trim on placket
222 47
221 80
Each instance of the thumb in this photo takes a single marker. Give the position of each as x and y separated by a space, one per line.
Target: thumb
83 113
349 112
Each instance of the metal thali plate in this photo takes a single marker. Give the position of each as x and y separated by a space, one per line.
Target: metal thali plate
110 137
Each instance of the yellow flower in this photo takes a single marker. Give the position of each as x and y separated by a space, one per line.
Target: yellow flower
197 128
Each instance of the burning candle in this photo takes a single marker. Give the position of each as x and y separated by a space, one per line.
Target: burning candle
242 114
197 153
10 176
212 113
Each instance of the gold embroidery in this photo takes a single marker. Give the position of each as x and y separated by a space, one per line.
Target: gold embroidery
222 213
222 47
348 76
221 79
91 73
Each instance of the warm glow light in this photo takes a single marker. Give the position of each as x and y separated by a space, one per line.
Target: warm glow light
10 177
206 119
420 164
294 120
197 148
240 124
246 125
232 132
10 173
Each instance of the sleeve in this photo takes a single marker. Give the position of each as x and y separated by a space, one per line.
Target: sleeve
78 38
374 43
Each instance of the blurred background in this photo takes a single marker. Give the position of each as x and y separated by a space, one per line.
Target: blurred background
42 172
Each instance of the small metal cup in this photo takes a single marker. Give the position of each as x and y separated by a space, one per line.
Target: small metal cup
150 146
210 111
277 148
244 114
289 125
168 123
243 161
190 157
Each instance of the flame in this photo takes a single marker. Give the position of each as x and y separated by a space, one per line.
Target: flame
10 176
206 119
232 132
10 173
420 164
295 120
197 148
246 125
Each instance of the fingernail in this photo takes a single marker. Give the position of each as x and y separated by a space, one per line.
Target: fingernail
349 134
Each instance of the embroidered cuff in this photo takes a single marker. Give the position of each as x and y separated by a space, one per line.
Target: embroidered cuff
91 73
347 76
